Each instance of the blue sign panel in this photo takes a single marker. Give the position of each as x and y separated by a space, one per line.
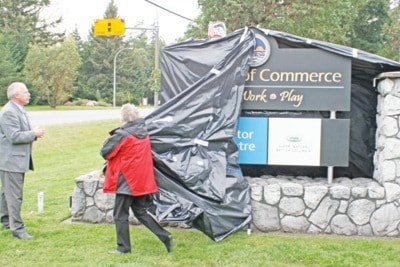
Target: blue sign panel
252 139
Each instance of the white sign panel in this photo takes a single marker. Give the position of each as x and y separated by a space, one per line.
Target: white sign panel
294 141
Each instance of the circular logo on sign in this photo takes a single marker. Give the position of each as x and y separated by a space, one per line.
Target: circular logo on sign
262 51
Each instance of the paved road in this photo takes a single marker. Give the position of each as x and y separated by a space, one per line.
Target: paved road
59 117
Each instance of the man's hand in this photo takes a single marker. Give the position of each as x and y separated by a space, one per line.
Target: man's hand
39 132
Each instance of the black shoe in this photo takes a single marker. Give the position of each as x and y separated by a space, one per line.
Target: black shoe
22 236
117 252
169 243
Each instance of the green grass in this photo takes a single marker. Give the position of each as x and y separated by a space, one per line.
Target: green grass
67 152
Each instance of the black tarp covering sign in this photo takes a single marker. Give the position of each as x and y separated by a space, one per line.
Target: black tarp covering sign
192 135
365 67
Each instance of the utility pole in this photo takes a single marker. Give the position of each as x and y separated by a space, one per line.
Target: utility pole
156 31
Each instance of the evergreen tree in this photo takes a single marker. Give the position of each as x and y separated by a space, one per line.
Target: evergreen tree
8 69
98 56
368 25
391 42
82 90
20 21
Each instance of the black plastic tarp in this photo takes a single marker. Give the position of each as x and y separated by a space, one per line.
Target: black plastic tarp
192 135
185 63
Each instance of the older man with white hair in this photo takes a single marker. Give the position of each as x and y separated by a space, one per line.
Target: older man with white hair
16 138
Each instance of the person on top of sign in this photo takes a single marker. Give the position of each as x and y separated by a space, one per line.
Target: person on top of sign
216 29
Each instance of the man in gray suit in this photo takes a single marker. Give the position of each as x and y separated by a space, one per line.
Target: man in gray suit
16 138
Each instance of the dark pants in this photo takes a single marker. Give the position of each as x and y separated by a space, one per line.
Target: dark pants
139 207
12 184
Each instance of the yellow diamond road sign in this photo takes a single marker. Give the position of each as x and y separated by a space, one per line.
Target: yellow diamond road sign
109 27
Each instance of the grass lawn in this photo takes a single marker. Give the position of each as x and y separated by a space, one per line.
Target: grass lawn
68 152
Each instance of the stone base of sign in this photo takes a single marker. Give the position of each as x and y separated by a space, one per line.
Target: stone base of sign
346 207
296 205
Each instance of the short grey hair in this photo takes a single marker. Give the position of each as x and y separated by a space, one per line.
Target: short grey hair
129 113
14 88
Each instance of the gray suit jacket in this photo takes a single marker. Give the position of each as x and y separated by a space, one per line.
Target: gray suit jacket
16 138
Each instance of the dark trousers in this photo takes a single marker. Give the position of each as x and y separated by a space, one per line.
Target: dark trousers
11 196
139 207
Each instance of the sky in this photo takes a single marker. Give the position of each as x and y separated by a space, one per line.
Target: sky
81 15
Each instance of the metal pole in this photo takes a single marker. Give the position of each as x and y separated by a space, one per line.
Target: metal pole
157 48
157 60
330 168
115 73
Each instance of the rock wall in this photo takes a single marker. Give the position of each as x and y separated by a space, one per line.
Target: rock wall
361 206
358 206
89 203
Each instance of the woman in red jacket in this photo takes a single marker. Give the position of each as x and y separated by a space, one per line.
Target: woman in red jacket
130 175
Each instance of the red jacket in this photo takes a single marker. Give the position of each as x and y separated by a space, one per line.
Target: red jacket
128 151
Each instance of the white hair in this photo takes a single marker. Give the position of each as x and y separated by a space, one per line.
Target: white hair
129 113
14 88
